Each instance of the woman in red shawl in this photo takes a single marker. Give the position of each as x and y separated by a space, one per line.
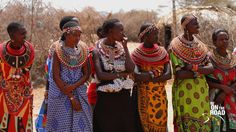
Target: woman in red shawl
16 99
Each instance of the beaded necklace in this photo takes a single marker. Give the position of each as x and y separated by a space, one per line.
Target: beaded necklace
150 56
113 58
111 52
16 61
72 57
224 62
191 52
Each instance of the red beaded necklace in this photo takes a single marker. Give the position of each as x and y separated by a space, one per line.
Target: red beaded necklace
191 53
150 56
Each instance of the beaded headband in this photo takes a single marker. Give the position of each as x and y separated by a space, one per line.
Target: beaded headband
187 21
148 29
70 29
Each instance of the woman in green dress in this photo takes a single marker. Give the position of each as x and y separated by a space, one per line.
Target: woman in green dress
190 89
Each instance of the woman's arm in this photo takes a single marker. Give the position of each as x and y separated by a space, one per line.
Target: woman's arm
147 77
206 69
100 73
86 74
166 75
214 85
129 64
56 74
141 76
184 74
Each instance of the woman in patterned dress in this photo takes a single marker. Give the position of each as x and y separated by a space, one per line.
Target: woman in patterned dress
223 82
190 90
41 120
68 108
16 99
153 69
114 110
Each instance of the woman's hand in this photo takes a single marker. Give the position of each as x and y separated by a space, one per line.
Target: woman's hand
67 89
228 90
122 74
124 41
75 104
188 67
220 98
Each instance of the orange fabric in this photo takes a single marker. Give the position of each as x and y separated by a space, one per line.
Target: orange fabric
16 97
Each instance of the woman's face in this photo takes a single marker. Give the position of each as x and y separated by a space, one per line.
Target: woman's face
117 32
73 37
152 37
19 36
222 41
193 26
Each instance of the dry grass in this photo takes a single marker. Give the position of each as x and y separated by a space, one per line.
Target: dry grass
43 29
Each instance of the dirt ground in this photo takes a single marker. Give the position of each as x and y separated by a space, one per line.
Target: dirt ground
39 95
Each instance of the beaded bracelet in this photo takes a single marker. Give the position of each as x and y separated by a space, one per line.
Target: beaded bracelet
152 74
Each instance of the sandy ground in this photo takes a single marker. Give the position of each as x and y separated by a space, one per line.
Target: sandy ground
39 95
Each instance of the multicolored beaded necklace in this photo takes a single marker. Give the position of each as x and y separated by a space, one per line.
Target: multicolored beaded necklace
191 52
150 56
72 57
16 58
110 52
224 62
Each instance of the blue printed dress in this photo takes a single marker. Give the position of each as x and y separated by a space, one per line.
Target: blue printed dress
60 115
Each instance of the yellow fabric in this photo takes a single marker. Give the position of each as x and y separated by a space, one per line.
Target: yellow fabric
152 103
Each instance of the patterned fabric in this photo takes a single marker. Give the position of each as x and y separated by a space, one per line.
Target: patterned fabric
152 100
190 101
61 117
40 122
226 75
16 98
152 104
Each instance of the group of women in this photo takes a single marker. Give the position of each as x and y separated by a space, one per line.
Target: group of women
127 92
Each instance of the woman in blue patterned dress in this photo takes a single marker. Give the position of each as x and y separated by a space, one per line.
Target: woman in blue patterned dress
68 108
